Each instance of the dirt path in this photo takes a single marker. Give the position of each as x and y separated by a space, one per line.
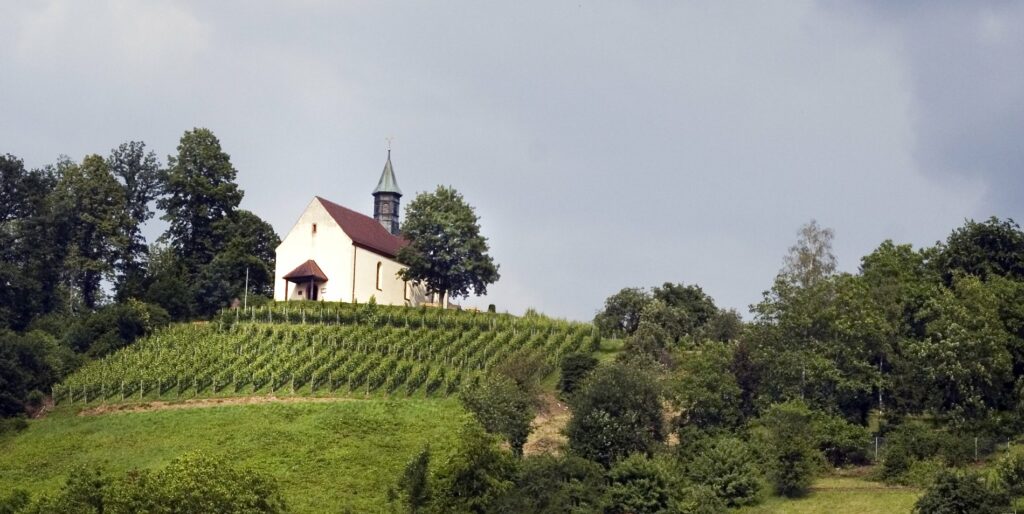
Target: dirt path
199 403
547 437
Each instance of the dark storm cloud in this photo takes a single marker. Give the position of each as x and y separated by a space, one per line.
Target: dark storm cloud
964 60
604 145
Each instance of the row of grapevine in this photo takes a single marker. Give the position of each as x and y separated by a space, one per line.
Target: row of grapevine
340 313
317 358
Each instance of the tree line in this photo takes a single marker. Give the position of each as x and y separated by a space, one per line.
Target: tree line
79 278
702 412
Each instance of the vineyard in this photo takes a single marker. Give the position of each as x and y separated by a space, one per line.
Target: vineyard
318 348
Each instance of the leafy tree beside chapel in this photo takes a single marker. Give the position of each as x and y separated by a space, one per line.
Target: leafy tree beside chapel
446 252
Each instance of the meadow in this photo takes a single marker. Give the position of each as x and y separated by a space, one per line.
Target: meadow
327 456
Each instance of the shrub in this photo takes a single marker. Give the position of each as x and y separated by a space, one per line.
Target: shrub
476 477
638 484
961 492
791 454
1010 470
728 468
914 441
501 407
617 411
841 442
707 391
575 368
555 485
193 482
414 484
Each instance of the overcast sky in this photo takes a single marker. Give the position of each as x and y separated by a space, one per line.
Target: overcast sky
603 144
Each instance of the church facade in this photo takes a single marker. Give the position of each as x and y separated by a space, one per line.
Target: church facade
337 254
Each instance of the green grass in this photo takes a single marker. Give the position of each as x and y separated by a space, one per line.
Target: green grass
327 457
842 495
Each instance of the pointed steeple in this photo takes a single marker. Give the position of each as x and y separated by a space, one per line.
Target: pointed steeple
386 198
388 183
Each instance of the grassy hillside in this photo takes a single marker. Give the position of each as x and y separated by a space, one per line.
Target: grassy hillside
327 457
324 349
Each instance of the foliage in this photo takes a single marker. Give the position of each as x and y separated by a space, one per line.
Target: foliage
1010 470
141 177
993 247
28 362
321 347
707 392
639 484
792 457
621 314
962 492
194 482
616 412
728 467
89 205
810 259
414 484
200 191
501 407
962 321
841 443
915 441
476 477
446 251
575 368
556 484
115 326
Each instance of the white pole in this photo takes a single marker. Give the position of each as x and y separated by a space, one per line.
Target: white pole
245 302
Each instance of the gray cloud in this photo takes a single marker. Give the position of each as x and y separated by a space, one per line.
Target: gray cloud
604 145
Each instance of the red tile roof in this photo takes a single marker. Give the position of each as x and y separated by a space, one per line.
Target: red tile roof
306 270
364 230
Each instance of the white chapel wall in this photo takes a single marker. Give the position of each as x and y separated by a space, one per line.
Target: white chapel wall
392 289
329 246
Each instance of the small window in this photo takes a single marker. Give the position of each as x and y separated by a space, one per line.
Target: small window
380 275
314 228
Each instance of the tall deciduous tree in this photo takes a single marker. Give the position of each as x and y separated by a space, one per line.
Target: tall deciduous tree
446 251
140 175
992 247
29 254
200 191
90 206
811 258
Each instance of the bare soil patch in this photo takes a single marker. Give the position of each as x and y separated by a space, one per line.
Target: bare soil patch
547 437
199 403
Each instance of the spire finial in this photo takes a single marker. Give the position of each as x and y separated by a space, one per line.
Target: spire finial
389 139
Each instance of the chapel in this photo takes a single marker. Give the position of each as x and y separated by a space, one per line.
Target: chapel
334 253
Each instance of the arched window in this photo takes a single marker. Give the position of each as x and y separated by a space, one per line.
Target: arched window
380 275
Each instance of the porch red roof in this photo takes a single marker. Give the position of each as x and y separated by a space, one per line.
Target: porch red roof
364 230
307 270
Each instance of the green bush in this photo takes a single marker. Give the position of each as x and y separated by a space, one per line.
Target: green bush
841 442
555 485
638 484
575 368
194 482
792 457
616 412
914 441
727 466
962 492
476 478
501 407
1010 470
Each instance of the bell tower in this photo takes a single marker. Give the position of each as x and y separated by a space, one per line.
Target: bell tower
386 197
